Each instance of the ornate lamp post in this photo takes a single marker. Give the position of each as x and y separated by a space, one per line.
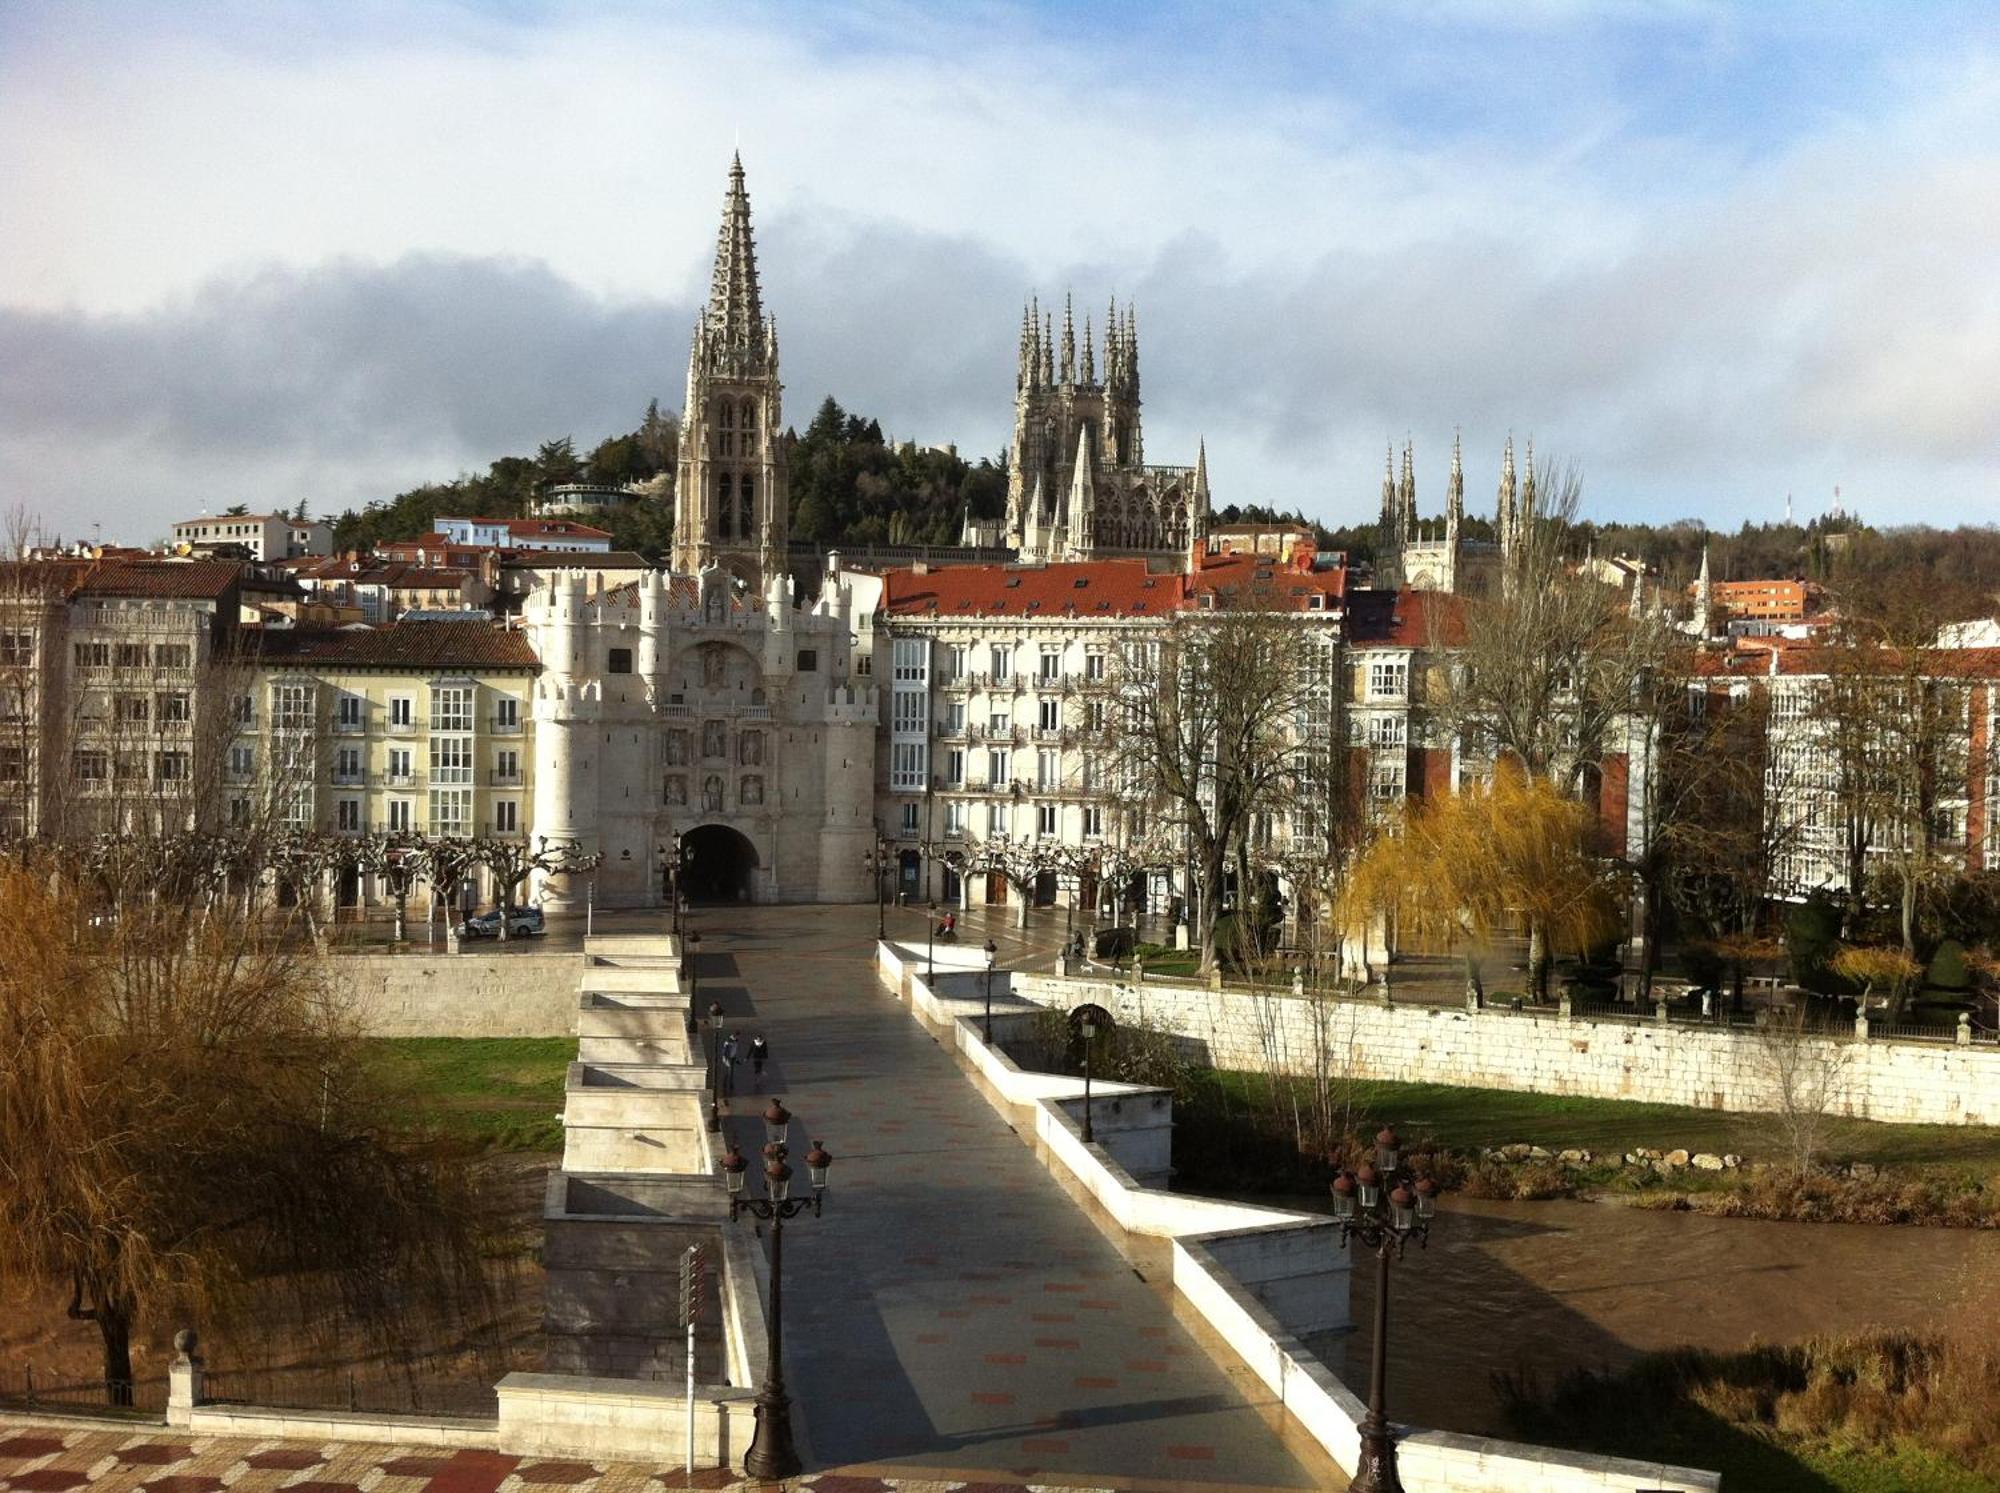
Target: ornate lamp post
1089 1029
771 1453
694 977
714 1025
990 952
1381 1206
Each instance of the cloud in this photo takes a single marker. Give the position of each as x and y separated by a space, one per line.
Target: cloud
340 266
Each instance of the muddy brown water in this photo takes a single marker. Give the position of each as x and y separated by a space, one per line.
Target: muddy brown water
1551 1286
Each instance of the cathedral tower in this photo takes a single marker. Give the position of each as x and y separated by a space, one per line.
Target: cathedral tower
731 489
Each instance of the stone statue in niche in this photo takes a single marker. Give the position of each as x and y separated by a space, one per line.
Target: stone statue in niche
714 739
752 789
711 794
677 748
715 604
677 789
711 666
751 749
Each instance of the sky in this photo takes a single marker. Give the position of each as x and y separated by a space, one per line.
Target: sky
266 251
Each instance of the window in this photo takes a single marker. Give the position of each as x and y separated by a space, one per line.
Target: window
13 764
619 661
912 660
1045 819
347 815
171 708
1387 731
864 665
239 813
507 767
1048 769
170 767
93 655
957 661
1000 722
90 767
347 712
1051 667
402 712
1093 667
132 709
128 767
954 718
451 811
399 764
954 819
171 655
808 660
451 759
347 765
1048 715
131 655
909 819
399 815
17 648
1388 680
506 714
996 821
243 710
954 768
291 707
451 707
242 762
906 764
1093 715
996 769
1003 662
507 816
908 715
1093 822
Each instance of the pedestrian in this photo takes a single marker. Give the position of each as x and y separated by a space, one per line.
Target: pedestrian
732 1048
759 1051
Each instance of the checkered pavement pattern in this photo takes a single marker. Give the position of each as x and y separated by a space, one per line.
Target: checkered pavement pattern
53 1458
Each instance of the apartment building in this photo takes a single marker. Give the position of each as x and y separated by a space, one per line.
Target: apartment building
263 537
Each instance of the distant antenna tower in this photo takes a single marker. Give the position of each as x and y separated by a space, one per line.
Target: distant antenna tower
1788 510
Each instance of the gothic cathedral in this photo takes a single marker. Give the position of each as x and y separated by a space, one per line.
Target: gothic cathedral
1078 487
731 489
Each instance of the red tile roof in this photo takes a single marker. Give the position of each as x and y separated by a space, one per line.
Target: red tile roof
1405 619
1085 589
194 579
1266 582
406 645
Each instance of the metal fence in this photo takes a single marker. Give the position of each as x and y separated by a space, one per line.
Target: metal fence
420 1387
34 1389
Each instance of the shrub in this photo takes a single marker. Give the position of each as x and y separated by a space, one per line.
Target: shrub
1948 967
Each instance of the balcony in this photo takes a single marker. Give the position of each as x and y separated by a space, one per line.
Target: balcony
403 779
755 712
502 777
1048 733
401 728
505 728
348 778
350 728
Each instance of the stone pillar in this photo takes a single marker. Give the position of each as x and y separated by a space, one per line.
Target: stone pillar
1475 1001
1964 1028
1564 1010
1861 1026
1660 1012
1298 982
184 1388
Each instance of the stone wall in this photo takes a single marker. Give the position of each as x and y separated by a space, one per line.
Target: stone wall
1542 1053
463 995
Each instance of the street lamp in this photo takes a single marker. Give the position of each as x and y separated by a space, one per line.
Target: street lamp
714 1024
990 951
930 948
771 1453
1089 1029
1382 1207
694 975
877 861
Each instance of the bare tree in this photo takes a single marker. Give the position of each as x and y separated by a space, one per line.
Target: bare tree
1807 1074
1205 731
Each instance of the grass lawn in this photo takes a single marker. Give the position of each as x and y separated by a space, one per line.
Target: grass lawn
1467 1119
497 1093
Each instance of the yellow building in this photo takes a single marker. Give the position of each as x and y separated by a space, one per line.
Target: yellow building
420 727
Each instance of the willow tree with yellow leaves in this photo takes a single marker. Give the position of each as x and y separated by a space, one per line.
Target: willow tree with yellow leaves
1468 868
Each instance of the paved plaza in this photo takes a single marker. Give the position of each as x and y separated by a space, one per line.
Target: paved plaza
953 1308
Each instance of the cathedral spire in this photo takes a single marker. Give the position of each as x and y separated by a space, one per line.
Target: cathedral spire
1201 470
734 316
1068 342
1048 349
1089 353
1406 489
1392 513
1454 492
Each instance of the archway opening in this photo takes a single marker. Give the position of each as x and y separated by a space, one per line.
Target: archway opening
720 864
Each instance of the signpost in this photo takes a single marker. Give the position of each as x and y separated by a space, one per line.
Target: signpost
694 1274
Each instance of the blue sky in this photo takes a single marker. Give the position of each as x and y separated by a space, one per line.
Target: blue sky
1710 253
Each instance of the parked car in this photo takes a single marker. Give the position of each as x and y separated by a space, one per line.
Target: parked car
522 922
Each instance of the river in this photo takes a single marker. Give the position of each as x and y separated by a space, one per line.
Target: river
1553 1285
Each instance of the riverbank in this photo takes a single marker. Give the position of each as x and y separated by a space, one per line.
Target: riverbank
501 1095
1240 1132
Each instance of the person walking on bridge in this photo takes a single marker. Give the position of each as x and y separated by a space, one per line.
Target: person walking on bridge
760 1050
